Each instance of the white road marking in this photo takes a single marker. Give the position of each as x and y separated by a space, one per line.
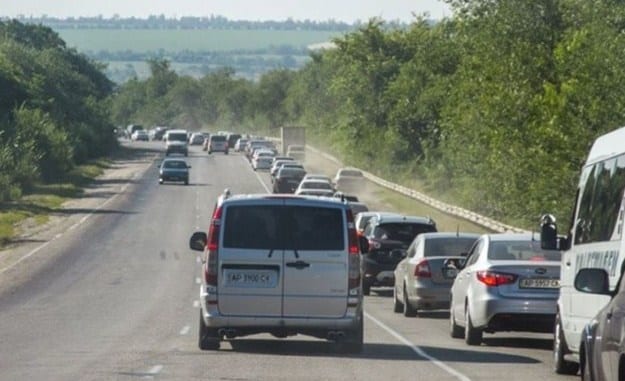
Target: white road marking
196 304
198 280
198 259
260 179
185 330
154 371
81 221
420 352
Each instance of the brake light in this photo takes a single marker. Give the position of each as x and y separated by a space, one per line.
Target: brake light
354 255
212 255
494 279
422 270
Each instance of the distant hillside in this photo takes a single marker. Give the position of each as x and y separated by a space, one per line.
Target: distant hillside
194 45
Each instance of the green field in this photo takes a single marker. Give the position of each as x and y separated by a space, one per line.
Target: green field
172 40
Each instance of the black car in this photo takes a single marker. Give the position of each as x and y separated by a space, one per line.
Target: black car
287 180
174 170
383 245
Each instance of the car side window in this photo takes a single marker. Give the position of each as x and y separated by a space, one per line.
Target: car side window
474 253
412 249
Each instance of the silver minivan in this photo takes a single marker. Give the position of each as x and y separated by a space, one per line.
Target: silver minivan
283 265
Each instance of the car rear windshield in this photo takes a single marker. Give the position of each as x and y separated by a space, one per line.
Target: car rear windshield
267 227
291 172
404 232
177 136
174 164
218 138
316 185
445 247
521 251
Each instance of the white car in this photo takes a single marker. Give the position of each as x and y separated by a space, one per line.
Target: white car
262 159
316 187
140 135
348 178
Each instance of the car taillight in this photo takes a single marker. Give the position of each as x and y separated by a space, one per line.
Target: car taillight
354 255
494 279
422 270
211 270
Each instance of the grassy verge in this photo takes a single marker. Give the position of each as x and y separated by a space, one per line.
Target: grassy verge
45 199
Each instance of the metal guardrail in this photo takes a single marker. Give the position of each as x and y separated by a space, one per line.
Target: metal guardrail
452 210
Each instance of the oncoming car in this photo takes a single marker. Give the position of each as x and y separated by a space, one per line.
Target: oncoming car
280 265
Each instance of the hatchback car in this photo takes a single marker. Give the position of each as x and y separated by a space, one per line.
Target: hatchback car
318 187
348 178
174 170
280 265
422 282
140 135
262 159
362 219
508 283
384 243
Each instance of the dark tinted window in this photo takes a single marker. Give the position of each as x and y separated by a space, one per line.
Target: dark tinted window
600 202
178 136
404 232
275 227
218 138
438 247
313 228
174 164
252 227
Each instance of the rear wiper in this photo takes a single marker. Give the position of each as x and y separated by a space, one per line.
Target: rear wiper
296 253
270 253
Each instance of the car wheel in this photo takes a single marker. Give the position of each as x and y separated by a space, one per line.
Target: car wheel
354 340
209 152
186 182
366 289
472 335
560 365
409 310
208 338
455 331
398 306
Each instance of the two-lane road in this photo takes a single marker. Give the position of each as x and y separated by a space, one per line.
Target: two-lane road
119 302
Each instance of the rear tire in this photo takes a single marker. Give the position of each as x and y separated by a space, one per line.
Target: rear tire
560 365
409 310
366 289
455 331
208 339
354 342
472 335
398 307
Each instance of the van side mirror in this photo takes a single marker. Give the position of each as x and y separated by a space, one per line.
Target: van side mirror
593 281
363 242
198 241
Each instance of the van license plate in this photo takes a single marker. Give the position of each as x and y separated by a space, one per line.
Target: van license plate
539 283
250 278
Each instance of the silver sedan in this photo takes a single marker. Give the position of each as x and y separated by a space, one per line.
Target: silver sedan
508 283
421 281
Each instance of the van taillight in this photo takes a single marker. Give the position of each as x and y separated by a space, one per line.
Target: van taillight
354 255
211 270
422 270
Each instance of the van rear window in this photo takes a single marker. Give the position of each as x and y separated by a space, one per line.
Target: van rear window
266 227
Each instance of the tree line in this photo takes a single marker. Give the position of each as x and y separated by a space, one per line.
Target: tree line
494 108
54 110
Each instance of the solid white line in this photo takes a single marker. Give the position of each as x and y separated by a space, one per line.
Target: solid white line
420 352
154 371
72 227
259 178
185 330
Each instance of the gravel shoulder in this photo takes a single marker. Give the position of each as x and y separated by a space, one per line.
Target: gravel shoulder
30 251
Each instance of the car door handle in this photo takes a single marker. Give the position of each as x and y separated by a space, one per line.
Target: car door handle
300 265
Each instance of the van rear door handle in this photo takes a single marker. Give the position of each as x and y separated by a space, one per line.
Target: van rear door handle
300 265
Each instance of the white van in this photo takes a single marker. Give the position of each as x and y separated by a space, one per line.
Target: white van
594 240
280 265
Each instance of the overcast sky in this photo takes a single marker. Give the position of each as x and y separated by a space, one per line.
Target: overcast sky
341 10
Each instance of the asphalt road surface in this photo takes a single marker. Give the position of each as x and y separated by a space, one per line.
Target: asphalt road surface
116 298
